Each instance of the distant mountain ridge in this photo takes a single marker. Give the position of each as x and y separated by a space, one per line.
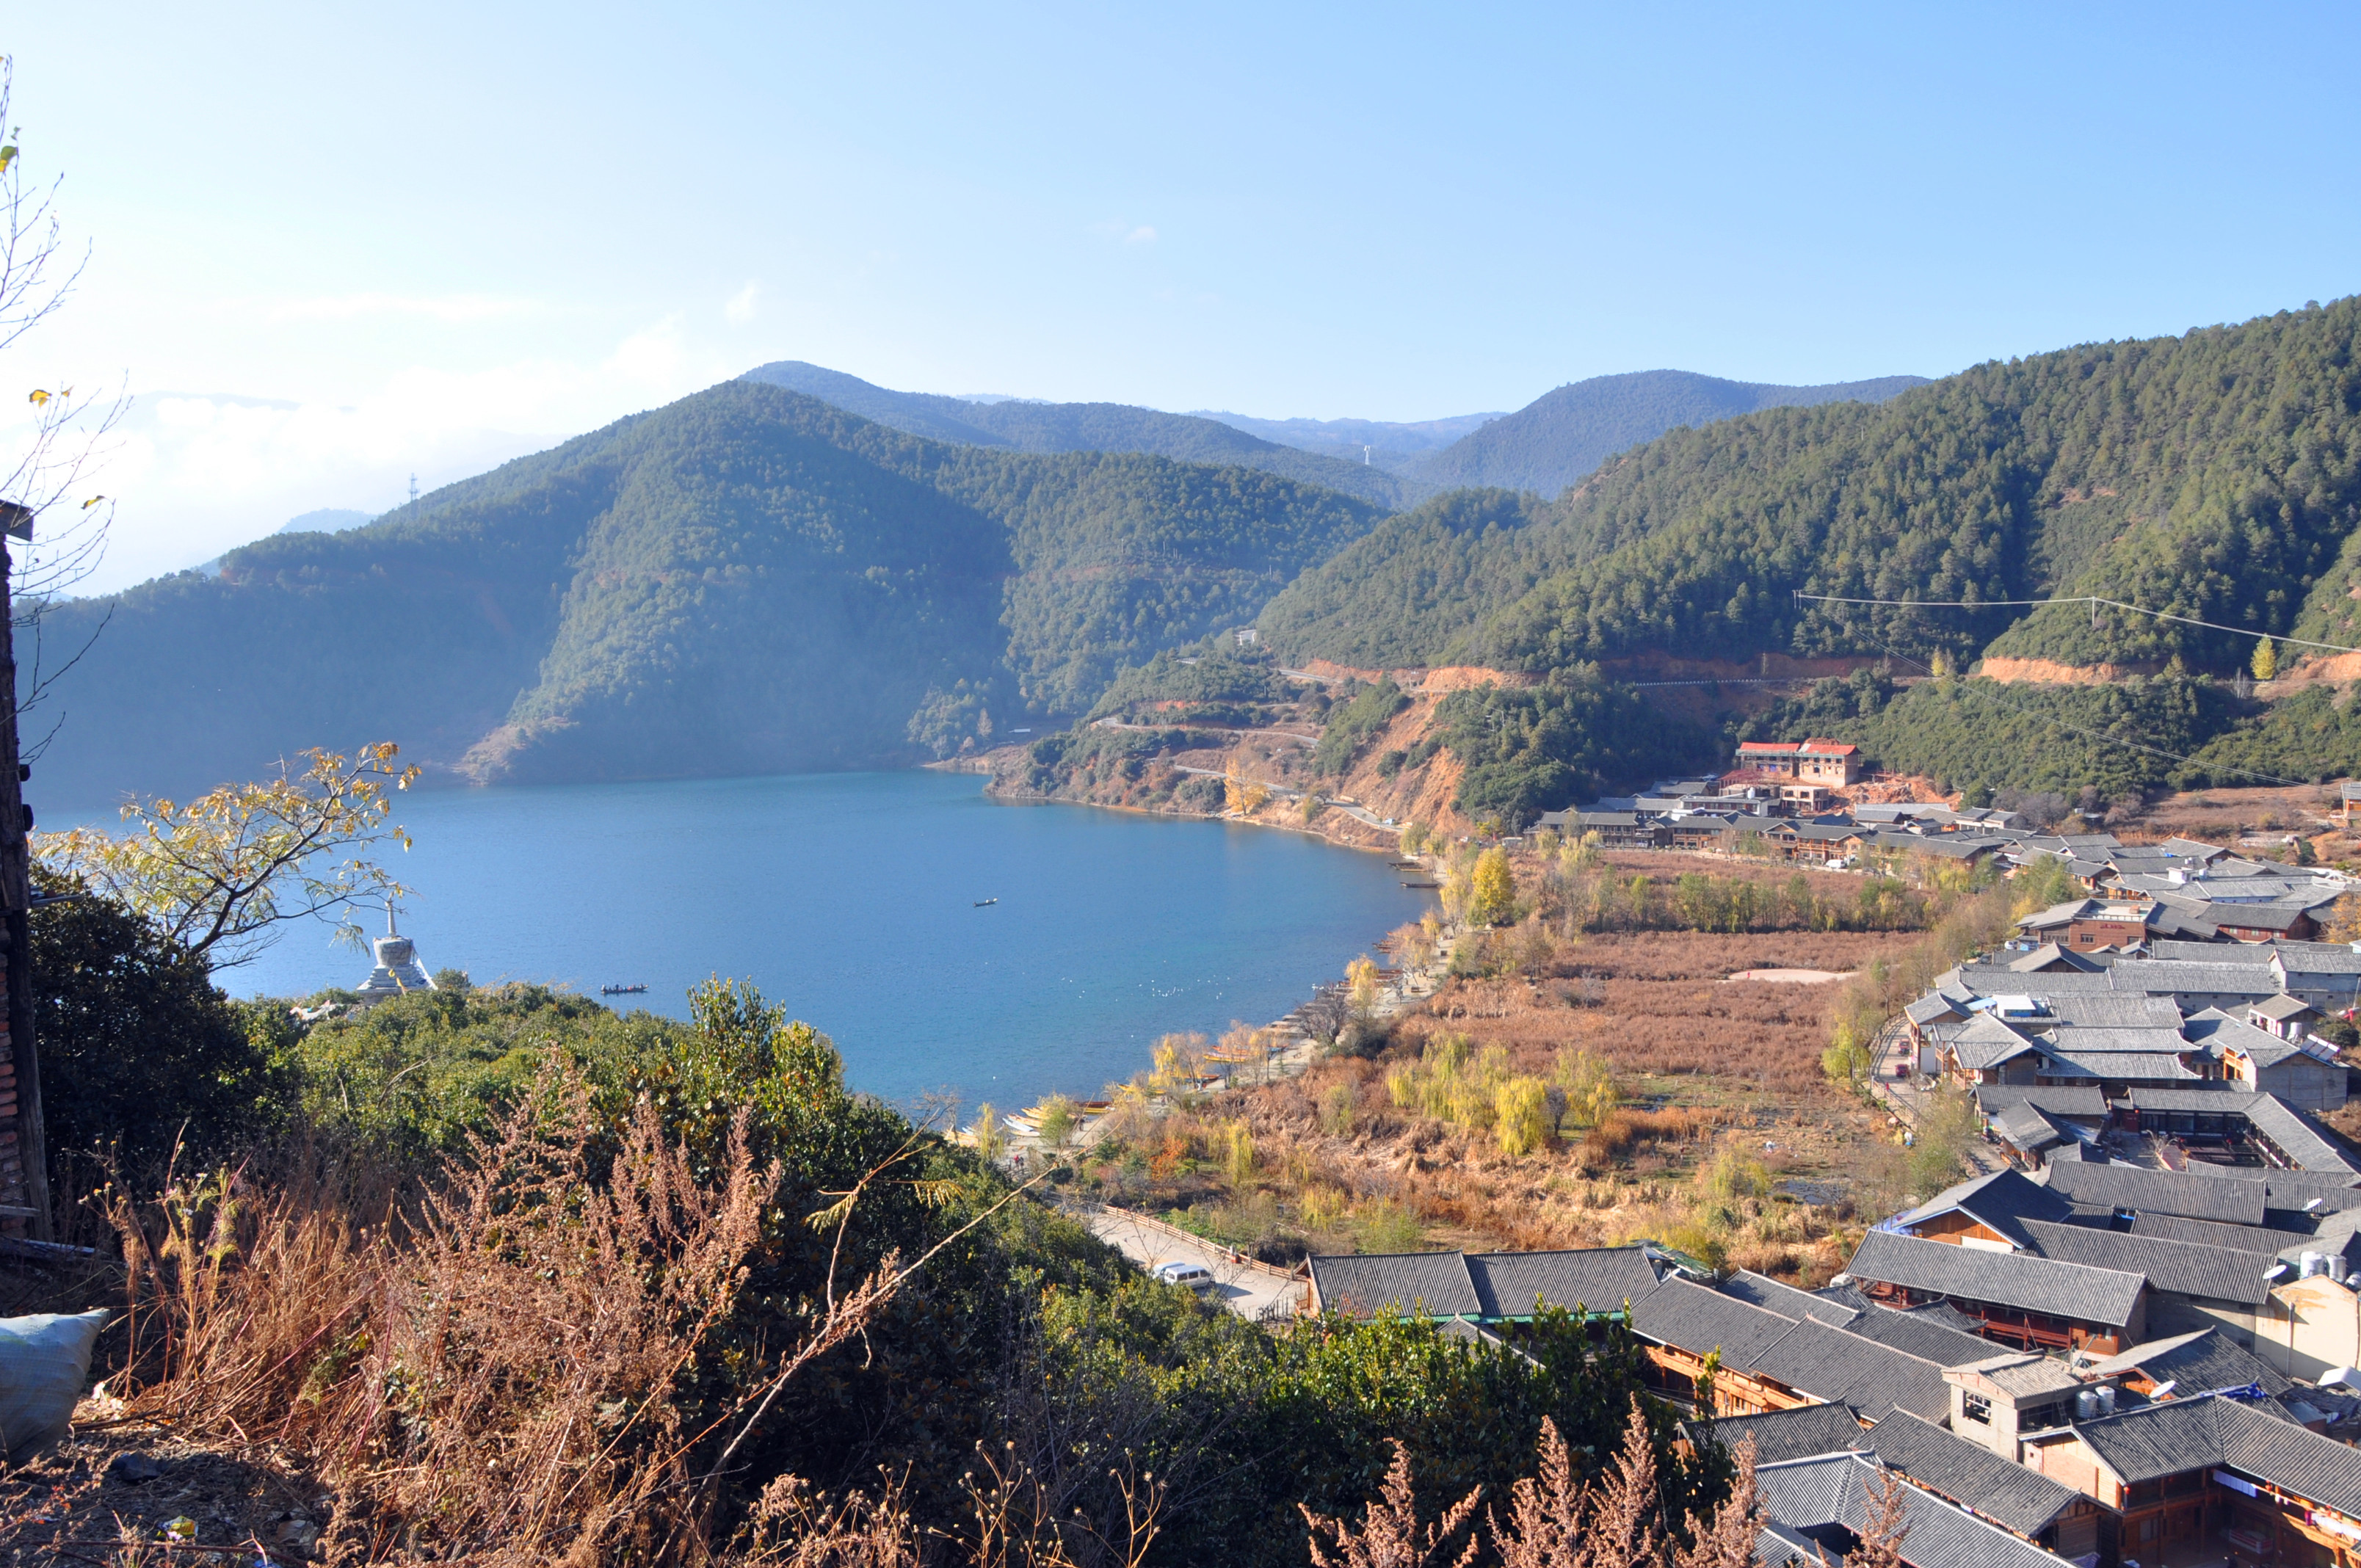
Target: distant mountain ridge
748 580
1387 444
1561 437
1023 425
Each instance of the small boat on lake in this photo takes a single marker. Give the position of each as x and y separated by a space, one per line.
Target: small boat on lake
622 990
985 902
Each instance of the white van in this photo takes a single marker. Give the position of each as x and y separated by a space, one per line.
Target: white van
1189 1275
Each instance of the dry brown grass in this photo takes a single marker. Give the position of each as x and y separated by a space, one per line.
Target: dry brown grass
1710 1069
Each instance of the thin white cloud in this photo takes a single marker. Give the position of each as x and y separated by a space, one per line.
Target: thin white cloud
1143 234
441 308
196 473
741 308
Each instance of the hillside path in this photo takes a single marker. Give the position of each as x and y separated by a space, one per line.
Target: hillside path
1252 1290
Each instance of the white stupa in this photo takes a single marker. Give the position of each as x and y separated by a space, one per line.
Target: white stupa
398 969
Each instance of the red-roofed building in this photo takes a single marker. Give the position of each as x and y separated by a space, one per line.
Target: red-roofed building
1828 762
1833 762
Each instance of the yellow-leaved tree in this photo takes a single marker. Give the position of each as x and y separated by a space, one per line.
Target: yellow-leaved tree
223 874
2267 660
1492 901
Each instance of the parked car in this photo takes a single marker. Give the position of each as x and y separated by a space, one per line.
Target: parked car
1190 1276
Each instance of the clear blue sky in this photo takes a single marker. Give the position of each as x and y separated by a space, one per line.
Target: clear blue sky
434 235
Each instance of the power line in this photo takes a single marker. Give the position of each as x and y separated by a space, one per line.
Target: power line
2093 600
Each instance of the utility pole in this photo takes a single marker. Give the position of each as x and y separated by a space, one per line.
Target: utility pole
413 492
23 1146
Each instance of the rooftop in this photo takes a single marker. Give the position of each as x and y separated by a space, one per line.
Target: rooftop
2069 1290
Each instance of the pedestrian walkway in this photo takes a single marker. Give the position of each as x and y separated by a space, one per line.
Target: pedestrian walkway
1253 1289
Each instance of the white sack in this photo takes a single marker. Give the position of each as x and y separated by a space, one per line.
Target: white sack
44 1361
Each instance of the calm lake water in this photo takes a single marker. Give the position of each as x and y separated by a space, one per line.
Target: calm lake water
850 898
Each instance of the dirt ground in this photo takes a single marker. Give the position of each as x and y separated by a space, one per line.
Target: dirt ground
2223 815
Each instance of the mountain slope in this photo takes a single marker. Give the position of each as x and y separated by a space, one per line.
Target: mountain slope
2216 475
1562 435
1025 426
746 580
1387 444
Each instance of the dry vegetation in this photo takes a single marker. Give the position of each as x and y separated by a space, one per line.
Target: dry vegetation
1718 1100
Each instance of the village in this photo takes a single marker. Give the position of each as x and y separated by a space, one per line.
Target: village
2133 1338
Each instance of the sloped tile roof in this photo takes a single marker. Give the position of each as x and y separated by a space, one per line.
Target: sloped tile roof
2158 1191
2024 1500
1922 1334
1782 1435
1435 1283
2181 1435
1697 1318
1600 1279
1999 1201
2069 1290
1807 1494
2264 1241
1761 1290
2195 1364
2187 1268
2076 1102
1844 1368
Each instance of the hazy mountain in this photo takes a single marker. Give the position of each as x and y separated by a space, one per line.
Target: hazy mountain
747 580
1023 425
1563 435
1394 447
326 520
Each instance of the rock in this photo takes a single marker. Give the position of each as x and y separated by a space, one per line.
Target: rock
134 1469
300 1534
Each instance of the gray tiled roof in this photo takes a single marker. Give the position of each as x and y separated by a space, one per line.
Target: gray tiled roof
2031 1284
2117 1010
2120 1067
1782 1435
1697 1318
2023 1500
1934 1006
1986 1042
1597 1279
1846 1369
2195 1364
1922 1334
2213 952
1761 1290
2153 1440
2181 1435
2163 977
2261 1240
2078 1102
2095 1039
2220 1033
2295 1135
2158 1191
1807 1494
2187 1268
1999 1201
1435 1283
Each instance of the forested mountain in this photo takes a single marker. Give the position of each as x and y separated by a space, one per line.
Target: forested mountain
2216 475
1390 445
747 580
1562 435
1024 426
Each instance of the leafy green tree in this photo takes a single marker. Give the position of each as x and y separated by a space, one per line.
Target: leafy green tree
140 1052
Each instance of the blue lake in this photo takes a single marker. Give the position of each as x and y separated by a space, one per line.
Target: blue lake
850 898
